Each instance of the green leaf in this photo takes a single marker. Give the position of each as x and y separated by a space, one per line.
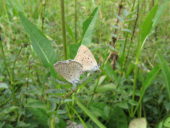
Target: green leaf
160 125
88 27
6 111
161 10
118 119
73 50
70 32
106 88
91 115
100 109
41 45
38 110
166 73
167 122
17 5
110 72
147 24
145 29
40 115
149 78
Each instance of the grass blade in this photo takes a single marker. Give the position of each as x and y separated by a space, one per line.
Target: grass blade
41 45
150 77
166 73
92 117
162 8
88 27
145 29
147 25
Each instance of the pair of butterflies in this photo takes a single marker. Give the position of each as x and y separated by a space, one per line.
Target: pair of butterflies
71 70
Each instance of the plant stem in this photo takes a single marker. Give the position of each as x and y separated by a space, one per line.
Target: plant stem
42 14
134 85
5 61
14 63
75 22
63 28
133 33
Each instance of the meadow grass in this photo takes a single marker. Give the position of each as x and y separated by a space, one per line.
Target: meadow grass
130 41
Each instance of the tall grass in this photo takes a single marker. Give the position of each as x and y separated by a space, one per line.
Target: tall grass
33 95
64 28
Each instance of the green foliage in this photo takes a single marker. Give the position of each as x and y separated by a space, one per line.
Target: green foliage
146 28
149 78
88 27
90 114
118 118
166 73
147 25
135 85
42 46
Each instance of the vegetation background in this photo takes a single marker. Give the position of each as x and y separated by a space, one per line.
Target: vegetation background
130 40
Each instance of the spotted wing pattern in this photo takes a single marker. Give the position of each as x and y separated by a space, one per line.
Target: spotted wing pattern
70 70
86 59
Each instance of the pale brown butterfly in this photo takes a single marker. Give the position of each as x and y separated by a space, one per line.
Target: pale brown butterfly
70 70
86 59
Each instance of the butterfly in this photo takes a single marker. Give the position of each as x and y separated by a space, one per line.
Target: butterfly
86 59
70 70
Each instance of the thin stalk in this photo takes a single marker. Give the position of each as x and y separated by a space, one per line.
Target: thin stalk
8 72
63 28
126 39
82 121
94 90
75 20
134 85
52 121
134 1
5 61
43 14
133 32
5 8
14 63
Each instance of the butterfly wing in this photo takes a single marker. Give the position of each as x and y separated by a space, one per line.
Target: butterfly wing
69 70
86 59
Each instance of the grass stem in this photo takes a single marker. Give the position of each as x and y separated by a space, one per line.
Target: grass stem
75 20
43 14
63 28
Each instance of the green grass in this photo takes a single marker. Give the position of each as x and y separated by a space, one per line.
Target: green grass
35 34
